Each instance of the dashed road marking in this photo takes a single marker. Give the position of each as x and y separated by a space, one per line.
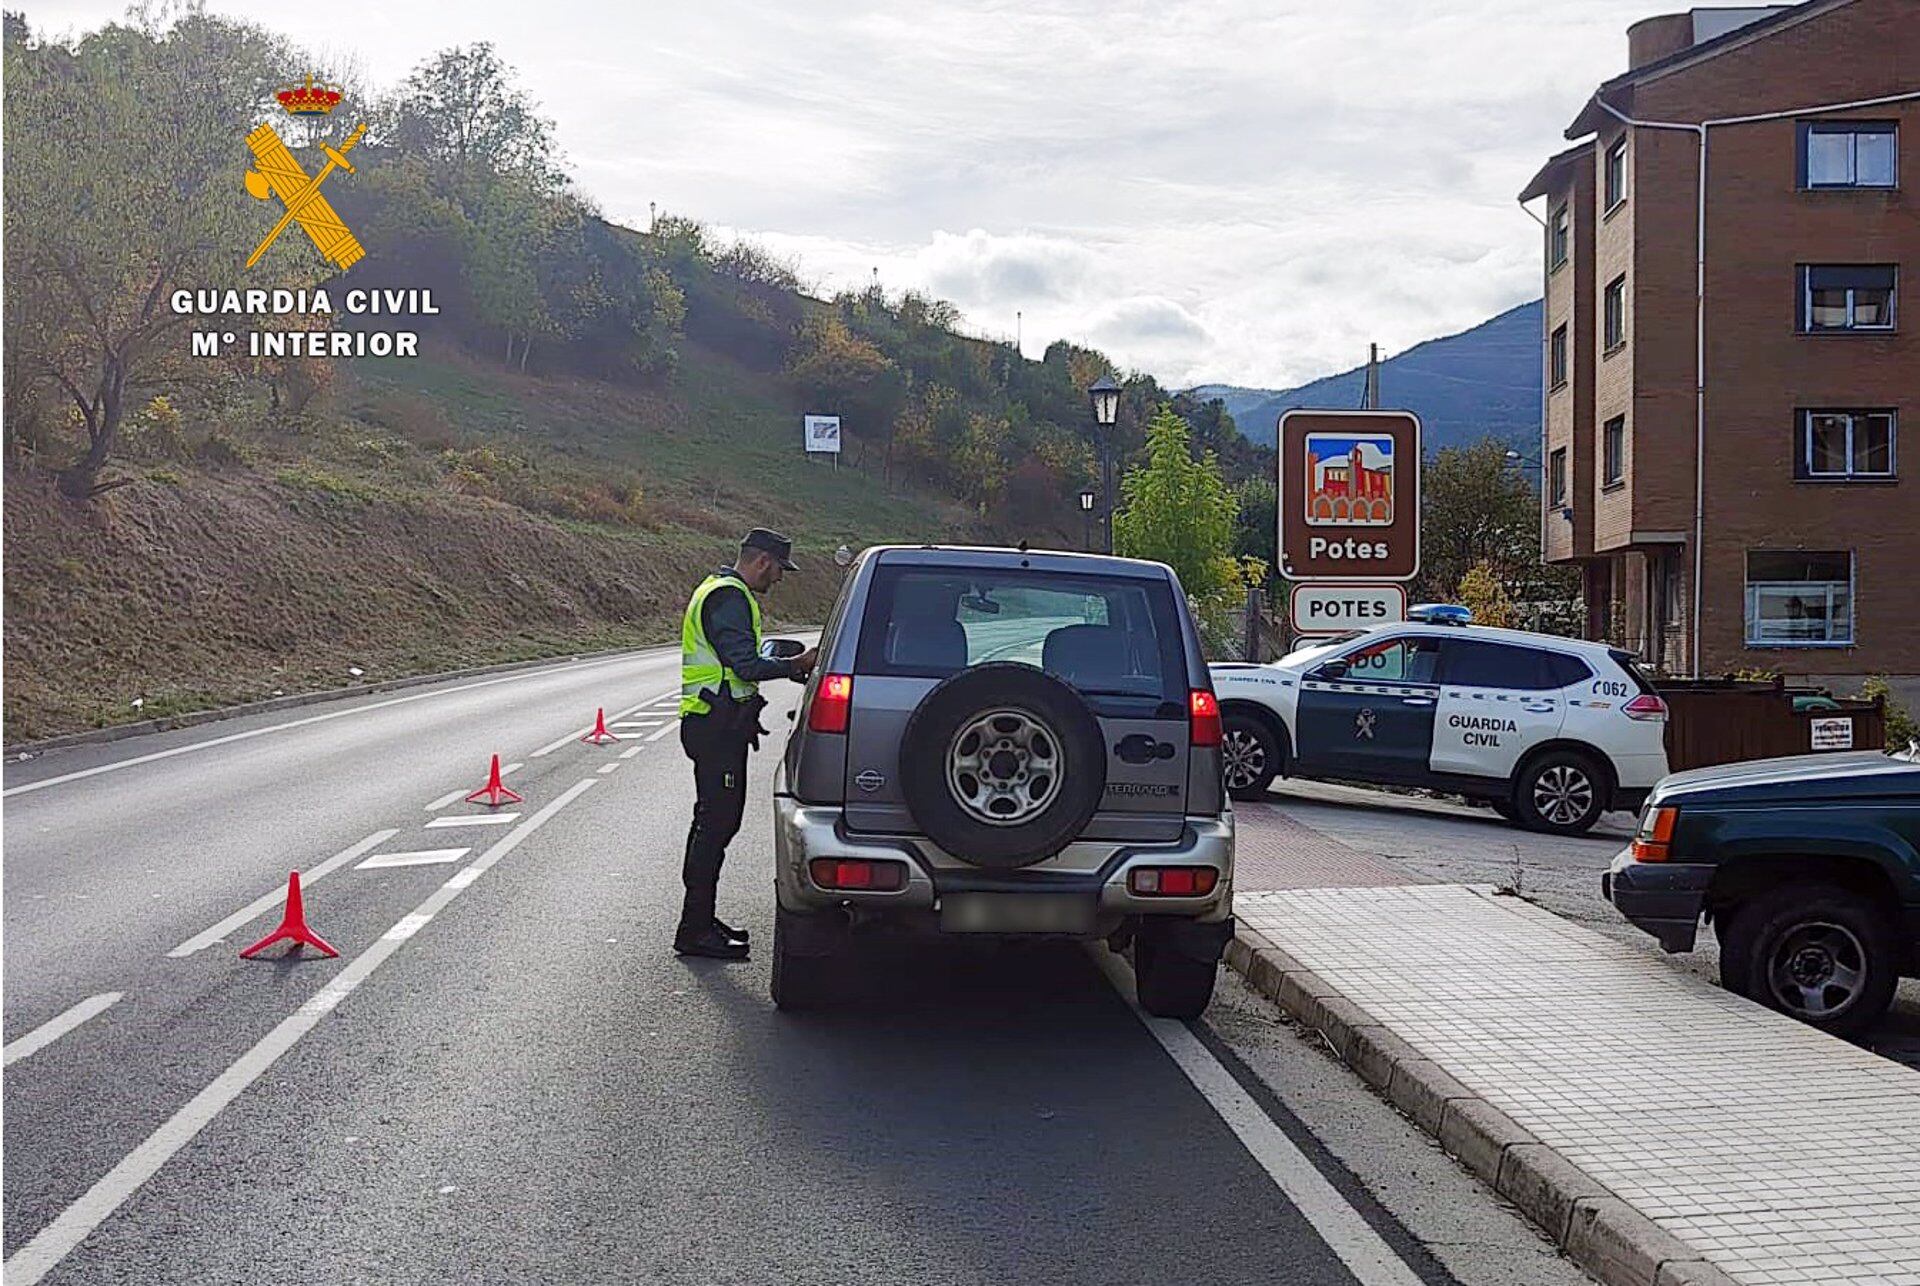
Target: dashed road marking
268 901
475 819
636 723
53 1243
1346 1232
418 857
655 736
603 771
628 754
48 1032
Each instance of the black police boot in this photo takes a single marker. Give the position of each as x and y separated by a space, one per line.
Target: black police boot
711 944
728 931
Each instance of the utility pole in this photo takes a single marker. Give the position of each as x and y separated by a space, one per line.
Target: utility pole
1017 348
1370 400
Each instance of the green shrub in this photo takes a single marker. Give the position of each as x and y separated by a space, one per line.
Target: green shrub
1901 726
165 477
308 478
222 451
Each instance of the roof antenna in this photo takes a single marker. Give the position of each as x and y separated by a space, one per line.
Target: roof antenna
1023 546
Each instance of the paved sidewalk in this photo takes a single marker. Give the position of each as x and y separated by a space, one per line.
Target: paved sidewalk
1661 1129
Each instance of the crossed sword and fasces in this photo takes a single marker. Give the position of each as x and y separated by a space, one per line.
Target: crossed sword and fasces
280 175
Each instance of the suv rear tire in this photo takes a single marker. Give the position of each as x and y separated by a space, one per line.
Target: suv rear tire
1168 982
1820 953
804 979
1050 717
1563 792
1251 755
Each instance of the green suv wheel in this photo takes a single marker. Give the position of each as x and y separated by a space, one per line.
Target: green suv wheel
1817 952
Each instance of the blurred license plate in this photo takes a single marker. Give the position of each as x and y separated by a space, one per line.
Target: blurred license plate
1016 913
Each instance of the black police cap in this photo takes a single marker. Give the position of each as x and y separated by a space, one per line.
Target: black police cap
773 543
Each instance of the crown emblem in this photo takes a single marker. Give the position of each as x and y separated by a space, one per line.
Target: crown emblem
310 99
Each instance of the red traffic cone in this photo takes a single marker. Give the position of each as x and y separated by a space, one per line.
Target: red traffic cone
494 793
293 926
599 736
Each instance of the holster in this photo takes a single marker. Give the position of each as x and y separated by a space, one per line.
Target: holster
735 718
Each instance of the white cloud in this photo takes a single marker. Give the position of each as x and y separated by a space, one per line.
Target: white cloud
1246 191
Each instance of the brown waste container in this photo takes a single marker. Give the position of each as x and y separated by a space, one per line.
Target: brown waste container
1728 720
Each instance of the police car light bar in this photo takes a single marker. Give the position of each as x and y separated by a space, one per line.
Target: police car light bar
1440 614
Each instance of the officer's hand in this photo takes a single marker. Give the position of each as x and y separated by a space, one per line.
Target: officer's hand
804 663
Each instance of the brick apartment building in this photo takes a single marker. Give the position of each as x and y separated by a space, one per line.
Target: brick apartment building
1769 507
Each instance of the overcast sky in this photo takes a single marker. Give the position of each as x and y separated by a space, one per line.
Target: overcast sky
1245 191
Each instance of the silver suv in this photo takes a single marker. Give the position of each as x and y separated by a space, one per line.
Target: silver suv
1013 743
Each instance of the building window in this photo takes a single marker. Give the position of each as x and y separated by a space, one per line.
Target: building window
1614 444
1557 476
1616 177
1615 329
1849 154
1799 599
1557 357
1557 238
1845 445
1849 297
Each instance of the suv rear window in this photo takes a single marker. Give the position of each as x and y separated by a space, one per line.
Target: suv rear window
1472 663
1106 635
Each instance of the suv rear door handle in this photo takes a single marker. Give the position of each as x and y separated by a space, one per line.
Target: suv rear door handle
1416 701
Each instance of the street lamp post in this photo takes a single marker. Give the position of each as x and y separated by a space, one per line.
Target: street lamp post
1105 395
1086 519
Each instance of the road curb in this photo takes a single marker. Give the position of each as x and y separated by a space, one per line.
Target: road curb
1598 1230
121 731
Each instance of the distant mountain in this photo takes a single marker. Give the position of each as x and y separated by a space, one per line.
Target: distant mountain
1463 387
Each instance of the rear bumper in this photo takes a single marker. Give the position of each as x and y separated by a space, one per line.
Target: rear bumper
803 832
1662 898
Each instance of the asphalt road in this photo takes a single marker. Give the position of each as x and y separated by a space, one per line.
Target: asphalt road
1445 840
507 1076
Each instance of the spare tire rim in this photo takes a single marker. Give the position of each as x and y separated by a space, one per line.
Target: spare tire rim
1817 970
1004 767
1246 758
1563 794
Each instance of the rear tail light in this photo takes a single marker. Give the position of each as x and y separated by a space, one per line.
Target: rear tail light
1645 706
1173 881
1653 841
832 703
1203 721
860 876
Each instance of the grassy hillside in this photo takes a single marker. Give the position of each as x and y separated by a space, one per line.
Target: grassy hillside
273 558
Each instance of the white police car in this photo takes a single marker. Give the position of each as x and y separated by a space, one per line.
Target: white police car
1551 732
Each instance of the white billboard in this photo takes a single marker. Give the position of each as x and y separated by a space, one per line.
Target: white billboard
823 433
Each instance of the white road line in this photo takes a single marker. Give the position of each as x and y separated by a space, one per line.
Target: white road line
418 857
655 736
475 819
607 769
48 1032
635 723
628 754
54 1242
266 902
1367 1256
297 723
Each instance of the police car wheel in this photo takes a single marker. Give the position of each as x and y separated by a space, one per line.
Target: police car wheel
1562 793
1249 756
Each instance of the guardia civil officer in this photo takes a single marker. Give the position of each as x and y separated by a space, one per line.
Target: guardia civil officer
720 674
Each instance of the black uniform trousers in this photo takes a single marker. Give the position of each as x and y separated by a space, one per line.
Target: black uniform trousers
720 796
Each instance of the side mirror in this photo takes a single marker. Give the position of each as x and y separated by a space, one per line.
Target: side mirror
781 649
1331 670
